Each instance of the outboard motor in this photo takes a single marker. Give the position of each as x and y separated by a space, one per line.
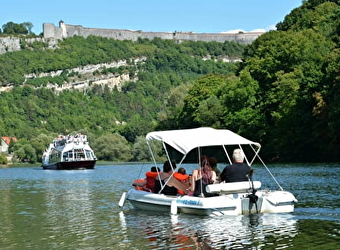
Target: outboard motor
253 198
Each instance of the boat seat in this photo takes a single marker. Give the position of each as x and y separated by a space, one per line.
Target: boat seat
232 187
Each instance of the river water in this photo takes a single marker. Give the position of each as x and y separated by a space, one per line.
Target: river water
48 209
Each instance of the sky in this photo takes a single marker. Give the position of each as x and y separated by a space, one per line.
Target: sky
199 16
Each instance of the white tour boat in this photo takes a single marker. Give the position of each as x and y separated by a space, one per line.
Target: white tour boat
69 152
187 145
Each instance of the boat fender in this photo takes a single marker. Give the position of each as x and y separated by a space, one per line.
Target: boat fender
122 200
173 208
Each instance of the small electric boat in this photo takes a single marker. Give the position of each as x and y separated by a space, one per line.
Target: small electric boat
186 146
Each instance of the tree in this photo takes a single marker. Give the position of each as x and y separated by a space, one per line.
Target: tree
201 90
210 113
112 147
24 151
14 28
3 159
140 150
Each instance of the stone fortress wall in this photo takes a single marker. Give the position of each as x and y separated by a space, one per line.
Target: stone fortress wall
67 30
52 34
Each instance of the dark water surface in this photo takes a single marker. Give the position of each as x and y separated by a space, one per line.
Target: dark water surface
48 209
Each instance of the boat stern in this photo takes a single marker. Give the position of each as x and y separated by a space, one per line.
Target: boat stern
278 202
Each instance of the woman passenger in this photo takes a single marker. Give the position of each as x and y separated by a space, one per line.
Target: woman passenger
202 177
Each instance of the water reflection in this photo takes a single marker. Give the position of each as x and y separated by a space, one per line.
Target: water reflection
69 204
181 231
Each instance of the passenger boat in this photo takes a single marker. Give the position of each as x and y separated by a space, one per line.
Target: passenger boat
186 146
69 152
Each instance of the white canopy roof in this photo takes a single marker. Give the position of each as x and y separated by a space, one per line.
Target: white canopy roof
187 139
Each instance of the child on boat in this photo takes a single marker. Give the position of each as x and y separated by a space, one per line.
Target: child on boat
182 177
166 183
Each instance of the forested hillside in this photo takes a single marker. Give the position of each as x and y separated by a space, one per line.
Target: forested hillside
31 111
284 94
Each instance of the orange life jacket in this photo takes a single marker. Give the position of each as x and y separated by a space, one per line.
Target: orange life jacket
151 180
139 181
182 178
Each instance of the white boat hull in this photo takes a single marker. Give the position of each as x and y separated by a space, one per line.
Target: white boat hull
224 204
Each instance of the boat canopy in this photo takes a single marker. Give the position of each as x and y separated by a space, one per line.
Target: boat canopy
185 140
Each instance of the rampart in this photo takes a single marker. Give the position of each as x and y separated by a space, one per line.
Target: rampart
67 30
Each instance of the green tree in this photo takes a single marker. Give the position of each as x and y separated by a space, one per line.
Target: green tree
3 159
112 147
140 150
201 90
24 152
15 28
210 113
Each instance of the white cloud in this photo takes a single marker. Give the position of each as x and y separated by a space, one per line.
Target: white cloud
258 30
271 27
242 31
233 31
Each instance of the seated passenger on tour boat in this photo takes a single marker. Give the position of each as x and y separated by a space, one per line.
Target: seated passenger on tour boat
169 183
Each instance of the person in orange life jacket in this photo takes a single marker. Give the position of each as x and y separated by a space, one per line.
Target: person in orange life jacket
170 184
238 170
202 177
150 179
182 177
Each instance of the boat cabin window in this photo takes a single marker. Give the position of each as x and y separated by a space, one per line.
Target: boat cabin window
79 154
55 156
89 154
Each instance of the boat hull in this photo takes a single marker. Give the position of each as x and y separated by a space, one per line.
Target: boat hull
71 165
225 204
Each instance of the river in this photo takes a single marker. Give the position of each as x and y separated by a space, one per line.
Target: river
48 209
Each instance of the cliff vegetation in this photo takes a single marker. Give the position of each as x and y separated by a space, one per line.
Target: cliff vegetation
284 93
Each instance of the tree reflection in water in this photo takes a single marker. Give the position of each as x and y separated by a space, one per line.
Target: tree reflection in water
230 232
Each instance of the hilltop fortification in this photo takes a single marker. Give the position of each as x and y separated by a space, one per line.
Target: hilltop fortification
66 30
